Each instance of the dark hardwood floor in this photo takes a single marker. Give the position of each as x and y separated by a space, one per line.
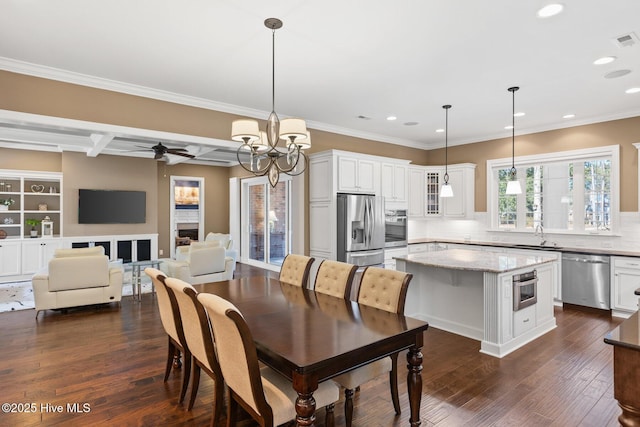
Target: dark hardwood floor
112 359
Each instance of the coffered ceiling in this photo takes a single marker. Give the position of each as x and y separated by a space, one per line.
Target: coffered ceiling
344 66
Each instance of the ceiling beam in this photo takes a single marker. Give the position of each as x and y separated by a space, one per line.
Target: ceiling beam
100 141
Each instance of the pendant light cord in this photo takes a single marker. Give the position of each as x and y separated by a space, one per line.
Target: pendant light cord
273 69
446 143
513 128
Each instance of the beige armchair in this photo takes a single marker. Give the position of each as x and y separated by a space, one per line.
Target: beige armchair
204 262
212 239
77 277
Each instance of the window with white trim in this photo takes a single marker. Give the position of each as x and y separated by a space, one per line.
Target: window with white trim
571 191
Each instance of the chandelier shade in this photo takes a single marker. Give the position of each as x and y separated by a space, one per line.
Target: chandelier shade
266 155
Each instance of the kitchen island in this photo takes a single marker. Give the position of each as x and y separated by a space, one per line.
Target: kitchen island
473 293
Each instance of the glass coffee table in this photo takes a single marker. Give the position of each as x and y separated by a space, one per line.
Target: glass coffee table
136 278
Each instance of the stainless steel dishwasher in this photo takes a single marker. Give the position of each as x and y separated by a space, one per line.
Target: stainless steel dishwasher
586 280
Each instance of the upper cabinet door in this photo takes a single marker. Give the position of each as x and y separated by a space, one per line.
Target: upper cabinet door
416 192
393 183
357 175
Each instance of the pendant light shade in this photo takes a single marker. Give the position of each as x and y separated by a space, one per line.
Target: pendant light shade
513 186
445 189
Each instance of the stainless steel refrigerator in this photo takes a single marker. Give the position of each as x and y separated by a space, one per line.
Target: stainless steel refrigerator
360 229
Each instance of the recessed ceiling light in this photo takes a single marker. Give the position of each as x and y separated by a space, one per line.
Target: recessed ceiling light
568 116
410 123
633 90
508 127
617 73
439 130
550 10
604 60
364 117
392 118
520 114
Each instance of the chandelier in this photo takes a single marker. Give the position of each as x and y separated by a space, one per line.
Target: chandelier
266 155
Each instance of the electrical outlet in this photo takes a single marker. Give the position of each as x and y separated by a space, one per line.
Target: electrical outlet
160 252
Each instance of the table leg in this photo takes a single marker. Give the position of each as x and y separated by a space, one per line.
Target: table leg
414 384
305 409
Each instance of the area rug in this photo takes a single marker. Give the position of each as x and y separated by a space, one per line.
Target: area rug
19 295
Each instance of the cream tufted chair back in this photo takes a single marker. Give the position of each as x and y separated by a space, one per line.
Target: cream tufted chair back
295 269
335 278
384 289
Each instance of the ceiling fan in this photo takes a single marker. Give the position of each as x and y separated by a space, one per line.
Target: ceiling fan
160 150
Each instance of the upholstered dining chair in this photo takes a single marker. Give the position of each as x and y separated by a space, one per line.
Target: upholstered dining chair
335 278
197 331
263 393
172 324
295 269
385 290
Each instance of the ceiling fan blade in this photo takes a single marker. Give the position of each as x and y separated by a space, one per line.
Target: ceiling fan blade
169 150
178 153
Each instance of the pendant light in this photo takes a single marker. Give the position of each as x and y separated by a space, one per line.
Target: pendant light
513 186
446 190
266 155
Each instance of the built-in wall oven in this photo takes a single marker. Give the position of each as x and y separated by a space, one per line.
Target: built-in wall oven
525 289
395 228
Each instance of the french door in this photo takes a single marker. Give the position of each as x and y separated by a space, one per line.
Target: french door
266 221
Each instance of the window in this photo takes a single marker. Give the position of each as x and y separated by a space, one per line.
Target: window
572 191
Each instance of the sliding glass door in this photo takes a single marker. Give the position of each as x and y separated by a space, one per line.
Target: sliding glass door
266 221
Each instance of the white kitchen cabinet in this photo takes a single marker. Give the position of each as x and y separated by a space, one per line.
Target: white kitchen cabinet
462 180
418 248
356 175
9 258
432 182
415 203
389 253
36 254
625 279
393 185
334 171
424 191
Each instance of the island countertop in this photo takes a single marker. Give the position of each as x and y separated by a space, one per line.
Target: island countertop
485 261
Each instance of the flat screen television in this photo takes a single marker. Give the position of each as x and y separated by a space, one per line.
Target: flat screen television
111 207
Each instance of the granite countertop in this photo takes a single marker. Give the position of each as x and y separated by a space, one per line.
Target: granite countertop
627 334
580 250
485 261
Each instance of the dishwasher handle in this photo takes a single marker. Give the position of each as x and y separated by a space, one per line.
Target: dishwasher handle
586 260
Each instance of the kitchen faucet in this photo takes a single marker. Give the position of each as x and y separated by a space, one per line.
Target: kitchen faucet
540 231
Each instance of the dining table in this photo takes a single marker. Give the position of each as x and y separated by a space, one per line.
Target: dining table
310 337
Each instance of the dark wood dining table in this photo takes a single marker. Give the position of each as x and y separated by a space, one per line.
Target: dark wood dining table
310 337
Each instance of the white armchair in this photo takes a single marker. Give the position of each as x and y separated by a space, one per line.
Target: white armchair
77 277
203 262
213 239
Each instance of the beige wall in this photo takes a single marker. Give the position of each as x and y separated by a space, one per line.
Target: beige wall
617 132
216 197
52 98
108 173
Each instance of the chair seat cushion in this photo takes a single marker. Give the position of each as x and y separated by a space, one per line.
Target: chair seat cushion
361 375
281 396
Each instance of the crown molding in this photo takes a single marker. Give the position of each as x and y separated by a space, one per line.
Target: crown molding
57 74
